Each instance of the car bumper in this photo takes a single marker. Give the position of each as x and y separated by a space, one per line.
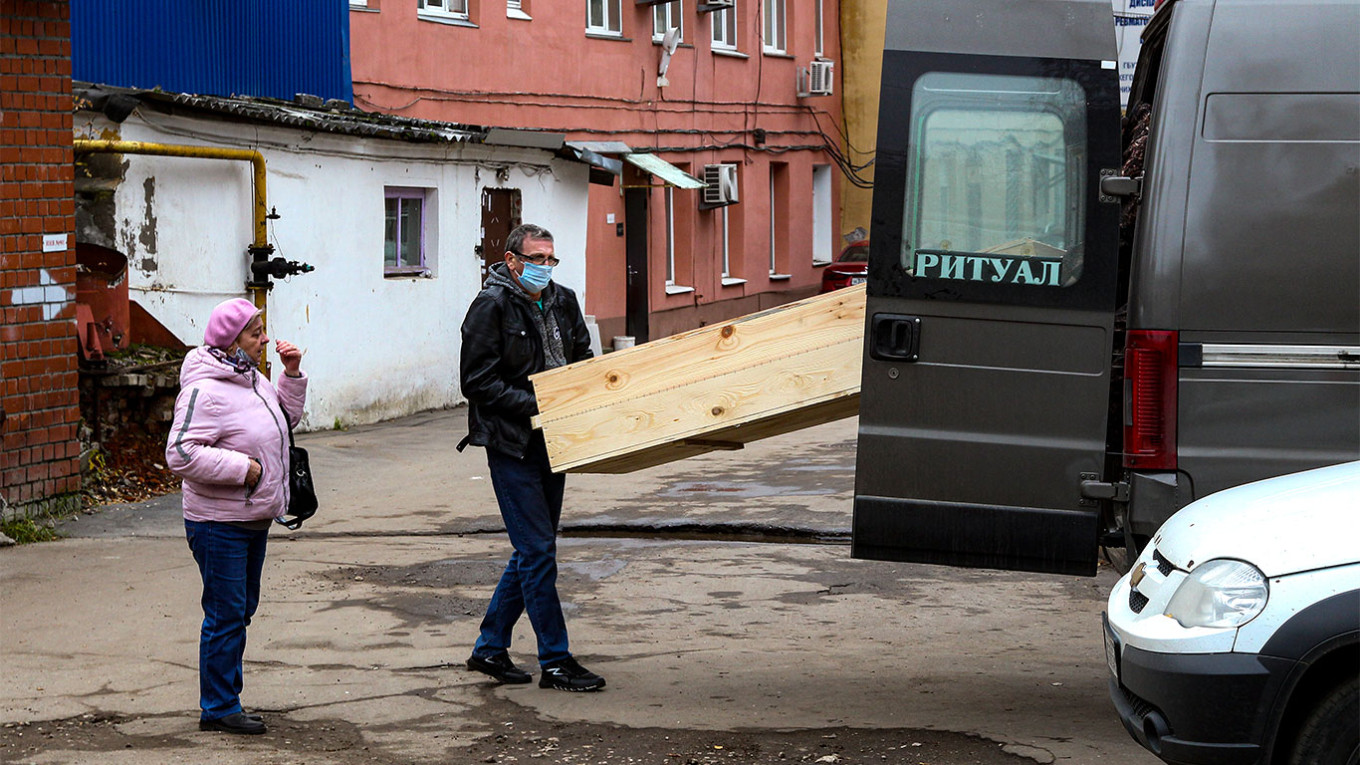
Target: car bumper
1198 709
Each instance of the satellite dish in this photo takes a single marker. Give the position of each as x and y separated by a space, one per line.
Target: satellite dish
669 43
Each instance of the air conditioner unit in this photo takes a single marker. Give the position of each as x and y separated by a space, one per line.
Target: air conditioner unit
706 6
818 79
720 185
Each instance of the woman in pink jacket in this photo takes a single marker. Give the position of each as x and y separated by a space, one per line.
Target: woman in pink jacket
229 443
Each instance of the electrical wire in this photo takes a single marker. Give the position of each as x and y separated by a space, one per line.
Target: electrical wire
661 106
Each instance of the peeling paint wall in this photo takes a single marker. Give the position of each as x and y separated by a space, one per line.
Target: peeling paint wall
376 348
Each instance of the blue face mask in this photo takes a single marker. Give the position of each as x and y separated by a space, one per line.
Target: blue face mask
535 277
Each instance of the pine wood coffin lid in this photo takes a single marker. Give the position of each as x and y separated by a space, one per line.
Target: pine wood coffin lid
716 387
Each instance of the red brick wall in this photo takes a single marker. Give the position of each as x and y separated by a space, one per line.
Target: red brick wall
39 452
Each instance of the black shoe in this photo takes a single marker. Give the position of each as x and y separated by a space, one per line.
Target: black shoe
569 675
500 667
235 722
252 716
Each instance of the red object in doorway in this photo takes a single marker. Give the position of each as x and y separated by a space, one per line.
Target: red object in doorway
101 300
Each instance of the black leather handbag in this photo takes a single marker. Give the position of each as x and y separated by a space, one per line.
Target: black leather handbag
302 502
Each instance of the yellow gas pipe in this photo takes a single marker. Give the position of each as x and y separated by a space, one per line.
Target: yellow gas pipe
255 158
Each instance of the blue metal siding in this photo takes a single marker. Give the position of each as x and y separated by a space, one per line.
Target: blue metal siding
271 48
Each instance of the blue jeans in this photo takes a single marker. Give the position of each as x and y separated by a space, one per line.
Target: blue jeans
530 497
230 559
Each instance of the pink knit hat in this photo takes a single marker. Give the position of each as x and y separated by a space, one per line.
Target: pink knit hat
227 321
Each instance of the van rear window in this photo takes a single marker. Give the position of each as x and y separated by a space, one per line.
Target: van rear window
996 180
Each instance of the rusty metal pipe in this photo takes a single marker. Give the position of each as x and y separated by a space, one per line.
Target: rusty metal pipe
255 158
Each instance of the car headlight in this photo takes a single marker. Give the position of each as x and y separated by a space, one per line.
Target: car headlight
1220 593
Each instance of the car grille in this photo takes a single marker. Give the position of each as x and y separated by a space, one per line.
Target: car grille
1163 565
1137 601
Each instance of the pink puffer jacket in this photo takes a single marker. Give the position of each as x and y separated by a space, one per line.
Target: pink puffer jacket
223 418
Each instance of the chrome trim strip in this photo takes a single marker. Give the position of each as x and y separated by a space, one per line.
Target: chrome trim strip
1282 356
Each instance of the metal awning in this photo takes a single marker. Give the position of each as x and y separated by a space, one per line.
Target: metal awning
602 147
595 160
664 170
531 139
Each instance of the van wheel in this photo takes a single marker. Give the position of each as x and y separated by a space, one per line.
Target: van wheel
1330 734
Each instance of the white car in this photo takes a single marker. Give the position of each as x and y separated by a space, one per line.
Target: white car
1235 637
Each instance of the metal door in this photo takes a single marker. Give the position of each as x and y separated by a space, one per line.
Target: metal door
992 276
637 311
501 213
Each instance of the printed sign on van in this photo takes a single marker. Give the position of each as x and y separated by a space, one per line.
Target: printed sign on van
987 268
1130 17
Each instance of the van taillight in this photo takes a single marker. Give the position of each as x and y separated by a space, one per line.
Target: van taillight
1150 373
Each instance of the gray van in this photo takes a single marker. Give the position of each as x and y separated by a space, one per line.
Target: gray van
1073 331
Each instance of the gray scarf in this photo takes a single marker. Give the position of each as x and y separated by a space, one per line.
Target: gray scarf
545 319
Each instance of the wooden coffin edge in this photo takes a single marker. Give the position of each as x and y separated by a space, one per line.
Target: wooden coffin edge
776 423
854 297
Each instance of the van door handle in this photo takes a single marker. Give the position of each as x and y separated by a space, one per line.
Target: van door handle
894 337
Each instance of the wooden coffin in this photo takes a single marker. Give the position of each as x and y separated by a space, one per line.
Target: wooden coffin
717 387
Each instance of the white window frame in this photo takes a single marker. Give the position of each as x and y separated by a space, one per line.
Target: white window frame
728 280
821 215
819 29
665 16
670 236
426 247
773 227
514 9
775 25
726 246
443 9
611 21
358 3
724 23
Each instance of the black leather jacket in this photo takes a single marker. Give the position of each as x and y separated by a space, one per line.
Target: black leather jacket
501 348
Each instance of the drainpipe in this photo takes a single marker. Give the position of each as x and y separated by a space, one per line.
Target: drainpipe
261 268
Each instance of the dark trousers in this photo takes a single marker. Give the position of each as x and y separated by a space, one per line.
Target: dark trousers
230 560
530 498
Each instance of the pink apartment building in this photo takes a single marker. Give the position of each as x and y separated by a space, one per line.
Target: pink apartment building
747 101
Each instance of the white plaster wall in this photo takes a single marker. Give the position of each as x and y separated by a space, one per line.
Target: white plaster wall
376 348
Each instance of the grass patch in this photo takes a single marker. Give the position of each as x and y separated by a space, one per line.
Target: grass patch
27 530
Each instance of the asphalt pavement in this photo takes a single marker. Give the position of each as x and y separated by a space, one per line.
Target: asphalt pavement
715 594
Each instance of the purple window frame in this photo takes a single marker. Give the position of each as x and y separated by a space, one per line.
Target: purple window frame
404 192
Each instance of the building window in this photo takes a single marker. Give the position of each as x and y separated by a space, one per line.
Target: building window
443 9
404 238
821 214
670 236
724 29
731 227
726 246
818 29
358 3
775 23
779 220
517 9
774 227
603 17
665 17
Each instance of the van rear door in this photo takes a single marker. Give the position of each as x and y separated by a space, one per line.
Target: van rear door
992 286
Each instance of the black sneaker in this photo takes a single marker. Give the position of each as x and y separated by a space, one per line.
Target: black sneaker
500 667
568 675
